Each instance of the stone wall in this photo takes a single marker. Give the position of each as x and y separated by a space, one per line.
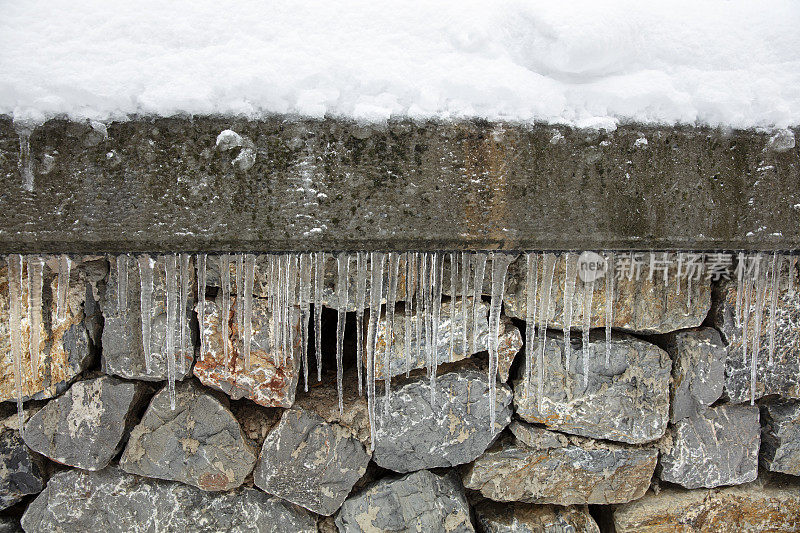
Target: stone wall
659 436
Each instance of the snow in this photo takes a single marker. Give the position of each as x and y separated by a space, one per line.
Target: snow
581 63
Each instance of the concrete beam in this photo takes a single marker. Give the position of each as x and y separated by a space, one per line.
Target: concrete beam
162 185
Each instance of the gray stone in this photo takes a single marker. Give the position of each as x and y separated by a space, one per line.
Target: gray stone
85 426
415 433
781 377
493 517
112 501
422 501
716 447
537 437
698 370
577 473
199 443
21 470
310 462
9 524
780 437
123 352
626 400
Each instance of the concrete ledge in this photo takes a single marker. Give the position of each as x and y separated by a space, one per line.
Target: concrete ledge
161 185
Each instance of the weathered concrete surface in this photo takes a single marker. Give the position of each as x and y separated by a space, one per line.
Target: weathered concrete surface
780 437
626 400
761 506
21 471
495 517
422 501
160 184
112 501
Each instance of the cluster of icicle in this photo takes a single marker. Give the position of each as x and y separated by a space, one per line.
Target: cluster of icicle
295 282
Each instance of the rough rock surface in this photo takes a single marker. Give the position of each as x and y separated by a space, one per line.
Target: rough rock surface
781 377
66 348
21 471
322 398
780 437
716 447
626 400
112 501
509 340
9 524
417 434
310 462
577 473
272 378
422 501
760 506
493 517
123 352
642 306
199 443
85 426
698 370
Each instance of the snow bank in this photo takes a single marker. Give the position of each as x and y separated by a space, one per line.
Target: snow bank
582 63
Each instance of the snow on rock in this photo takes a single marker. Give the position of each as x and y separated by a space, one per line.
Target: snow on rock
580 63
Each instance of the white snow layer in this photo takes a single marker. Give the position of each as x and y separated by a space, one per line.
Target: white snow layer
585 63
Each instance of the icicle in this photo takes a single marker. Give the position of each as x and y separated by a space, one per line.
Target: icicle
183 351
291 302
15 327
391 301
419 267
740 272
408 309
25 163
361 303
689 288
677 273
342 282
201 301
453 278
531 282
588 292
425 310
146 264
569 293
773 303
274 306
305 310
792 270
761 290
225 315
35 284
170 267
437 272
480 268
239 294
465 258
122 284
500 262
610 271
746 318
249 275
548 270
62 289
319 278
375 290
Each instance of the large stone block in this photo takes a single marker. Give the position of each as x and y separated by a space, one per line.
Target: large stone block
323 399
493 517
780 437
22 472
626 400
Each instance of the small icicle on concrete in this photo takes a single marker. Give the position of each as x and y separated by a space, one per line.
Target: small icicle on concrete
319 280
548 269
25 163
586 348
306 264
122 284
531 282
146 264
437 273
761 290
170 268
391 302
183 326
741 267
569 293
453 289
15 327
35 285
225 314
500 262
773 303
62 287
249 275
361 303
342 291
480 269
408 309
465 258
610 272
377 260
201 301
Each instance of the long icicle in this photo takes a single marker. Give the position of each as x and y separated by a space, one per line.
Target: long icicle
201 301
146 264
437 273
122 284
500 262
15 327
408 310
465 259
305 310
480 269
761 289
342 291
361 302
249 275
62 290
748 283
740 275
274 306
453 281
548 270
419 268
531 282
170 268
375 290
569 292
319 279
610 272
291 301
35 285
586 349
239 294
773 303
225 315
391 301
424 310
183 351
